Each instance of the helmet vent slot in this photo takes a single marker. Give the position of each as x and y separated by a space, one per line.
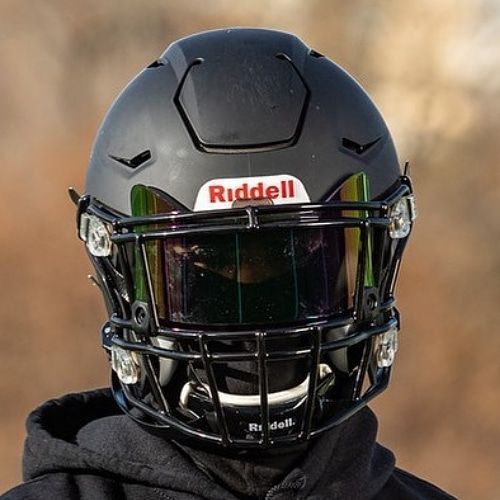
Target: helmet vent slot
316 54
156 64
358 148
134 162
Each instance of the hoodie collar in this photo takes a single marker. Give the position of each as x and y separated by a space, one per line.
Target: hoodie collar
88 432
345 462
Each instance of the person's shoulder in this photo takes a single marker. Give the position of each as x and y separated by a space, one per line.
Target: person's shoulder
64 485
88 487
402 484
46 486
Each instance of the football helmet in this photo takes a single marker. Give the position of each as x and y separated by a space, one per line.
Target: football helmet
246 217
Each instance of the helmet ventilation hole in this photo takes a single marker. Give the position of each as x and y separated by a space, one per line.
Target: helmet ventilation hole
134 162
357 147
316 54
156 64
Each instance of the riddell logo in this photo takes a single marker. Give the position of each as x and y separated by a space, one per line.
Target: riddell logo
276 425
228 193
219 192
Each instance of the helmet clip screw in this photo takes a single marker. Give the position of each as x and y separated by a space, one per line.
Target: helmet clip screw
141 316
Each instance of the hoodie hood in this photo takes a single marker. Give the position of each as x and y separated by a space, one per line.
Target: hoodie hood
88 433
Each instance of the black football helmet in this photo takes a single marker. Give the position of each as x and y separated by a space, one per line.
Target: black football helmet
246 216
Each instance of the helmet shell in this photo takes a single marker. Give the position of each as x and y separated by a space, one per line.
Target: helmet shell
239 103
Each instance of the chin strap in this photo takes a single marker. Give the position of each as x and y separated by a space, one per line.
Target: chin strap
253 400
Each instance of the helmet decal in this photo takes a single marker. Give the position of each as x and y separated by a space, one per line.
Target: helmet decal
266 190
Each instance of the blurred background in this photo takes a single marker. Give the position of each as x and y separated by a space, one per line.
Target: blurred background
432 67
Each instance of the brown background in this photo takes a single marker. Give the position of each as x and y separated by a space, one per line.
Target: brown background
432 66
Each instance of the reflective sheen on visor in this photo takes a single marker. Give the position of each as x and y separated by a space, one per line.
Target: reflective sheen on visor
243 277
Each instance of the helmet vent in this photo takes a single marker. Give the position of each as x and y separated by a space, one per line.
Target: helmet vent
314 53
358 148
134 162
156 64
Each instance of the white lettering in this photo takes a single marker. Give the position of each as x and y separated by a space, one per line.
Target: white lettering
276 425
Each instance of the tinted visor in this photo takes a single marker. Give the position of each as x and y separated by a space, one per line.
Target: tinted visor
260 276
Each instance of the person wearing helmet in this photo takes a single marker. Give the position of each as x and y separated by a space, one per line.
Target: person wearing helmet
246 216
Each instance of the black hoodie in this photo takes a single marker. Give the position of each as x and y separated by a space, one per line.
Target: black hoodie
82 447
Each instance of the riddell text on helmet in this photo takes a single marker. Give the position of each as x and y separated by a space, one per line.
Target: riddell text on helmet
218 192
226 193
